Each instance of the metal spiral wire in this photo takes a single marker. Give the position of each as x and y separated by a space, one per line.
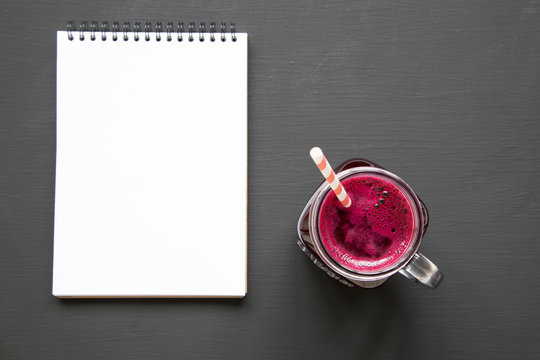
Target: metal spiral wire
90 32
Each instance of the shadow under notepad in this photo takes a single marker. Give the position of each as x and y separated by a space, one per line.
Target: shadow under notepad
74 302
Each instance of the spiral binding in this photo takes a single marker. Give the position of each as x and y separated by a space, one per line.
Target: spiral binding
103 30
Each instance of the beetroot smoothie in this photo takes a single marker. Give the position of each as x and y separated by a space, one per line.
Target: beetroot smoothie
372 234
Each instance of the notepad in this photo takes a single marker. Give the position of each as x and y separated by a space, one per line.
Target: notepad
151 164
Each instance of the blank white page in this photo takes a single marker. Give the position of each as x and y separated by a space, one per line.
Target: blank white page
151 167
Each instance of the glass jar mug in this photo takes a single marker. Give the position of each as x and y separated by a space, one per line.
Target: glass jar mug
376 237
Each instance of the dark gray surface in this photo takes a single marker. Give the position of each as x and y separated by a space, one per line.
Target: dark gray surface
445 94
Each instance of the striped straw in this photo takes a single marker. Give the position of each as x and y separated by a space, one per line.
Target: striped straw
330 176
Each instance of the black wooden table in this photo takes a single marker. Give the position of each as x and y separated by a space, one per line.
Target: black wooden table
445 94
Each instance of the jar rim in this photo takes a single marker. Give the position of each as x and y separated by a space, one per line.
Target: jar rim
324 190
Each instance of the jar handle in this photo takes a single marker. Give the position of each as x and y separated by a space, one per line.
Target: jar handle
422 271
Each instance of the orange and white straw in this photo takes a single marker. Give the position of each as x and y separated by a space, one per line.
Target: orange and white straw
330 176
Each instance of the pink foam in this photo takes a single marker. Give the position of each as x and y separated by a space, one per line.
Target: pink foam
372 234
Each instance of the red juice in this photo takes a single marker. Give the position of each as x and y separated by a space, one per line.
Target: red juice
373 233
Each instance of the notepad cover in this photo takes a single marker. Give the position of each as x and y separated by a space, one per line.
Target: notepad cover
151 168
